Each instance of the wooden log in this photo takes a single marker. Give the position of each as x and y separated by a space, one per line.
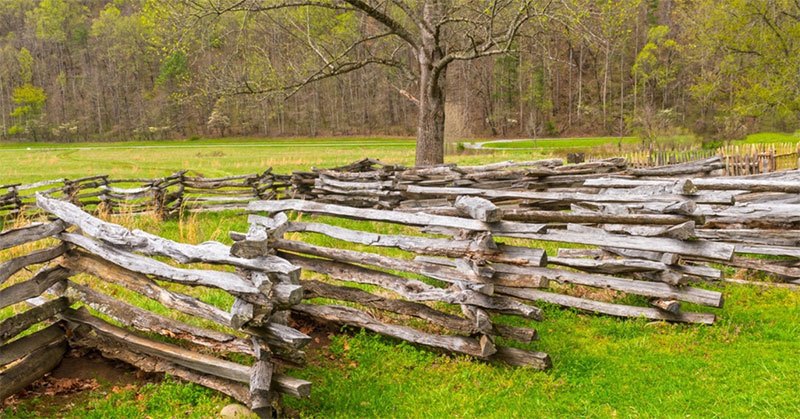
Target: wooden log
670 306
416 219
31 233
385 262
12 326
567 197
768 237
261 380
504 274
682 231
10 267
598 237
610 266
478 209
534 216
34 366
521 358
225 281
617 310
357 318
145 321
117 350
149 244
647 289
665 258
423 245
33 287
280 335
30 343
80 262
412 289
683 208
189 359
316 289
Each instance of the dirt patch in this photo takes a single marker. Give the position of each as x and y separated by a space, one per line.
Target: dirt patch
78 374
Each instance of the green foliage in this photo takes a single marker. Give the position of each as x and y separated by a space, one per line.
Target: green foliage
25 60
174 68
29 101
62 21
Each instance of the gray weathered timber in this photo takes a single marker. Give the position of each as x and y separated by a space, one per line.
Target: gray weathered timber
769 237
715 184
31 233
411 289
480 247
609 266
670 306
362 258
280 335
535 216
665 258
147 321
416 219
353 317
598 237
216 279
12 326
643 288
149 244
478 208
504 274
617 310
33 287
116 349
683 208
571 197
521 358
34 366
424 245
316 289
80 262
682 231
28 344
10 267
189 359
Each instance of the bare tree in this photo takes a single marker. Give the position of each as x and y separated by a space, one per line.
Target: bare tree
420 38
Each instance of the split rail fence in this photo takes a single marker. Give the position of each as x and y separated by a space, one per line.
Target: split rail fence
437 256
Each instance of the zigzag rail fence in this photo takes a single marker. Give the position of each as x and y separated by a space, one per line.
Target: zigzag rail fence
469 245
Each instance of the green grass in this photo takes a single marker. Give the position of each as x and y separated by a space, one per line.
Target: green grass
771 138
745 365
211 158
562 143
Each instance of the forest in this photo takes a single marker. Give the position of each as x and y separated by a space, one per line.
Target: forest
77 70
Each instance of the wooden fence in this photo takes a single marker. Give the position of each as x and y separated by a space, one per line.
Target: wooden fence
466 244
739 160
263 290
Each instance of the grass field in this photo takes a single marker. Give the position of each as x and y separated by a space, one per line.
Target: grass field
746 365
211 158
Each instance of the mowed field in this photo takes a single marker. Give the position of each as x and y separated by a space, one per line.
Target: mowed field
746 365
211 157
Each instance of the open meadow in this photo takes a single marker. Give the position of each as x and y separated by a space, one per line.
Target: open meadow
745 365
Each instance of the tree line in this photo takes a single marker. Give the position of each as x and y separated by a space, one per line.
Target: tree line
73 70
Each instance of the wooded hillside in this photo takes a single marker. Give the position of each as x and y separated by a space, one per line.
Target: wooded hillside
141 69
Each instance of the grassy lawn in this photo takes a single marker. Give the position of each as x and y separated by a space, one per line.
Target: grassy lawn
745 365
211 157
771 137
562 143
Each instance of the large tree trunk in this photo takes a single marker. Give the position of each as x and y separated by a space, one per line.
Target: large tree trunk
430 131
